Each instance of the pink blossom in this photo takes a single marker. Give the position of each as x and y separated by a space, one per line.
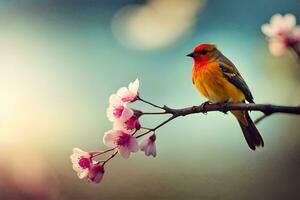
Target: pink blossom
81 162
85 167
129 94
148 146
282 33
96 172
132 123
118 110
125 142
277 47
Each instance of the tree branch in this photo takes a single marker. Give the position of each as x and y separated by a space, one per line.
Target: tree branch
149 103
149 130
261 118
267 109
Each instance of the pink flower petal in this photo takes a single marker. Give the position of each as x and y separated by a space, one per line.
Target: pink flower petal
148 146
98 178
126 114
289 22
277 20
280 27
96 173
133 145
144 144
118 110
268 30
77 168
118 125
115 100
129 94
78 151
122 92
124 152
109 138
78 159
152 150
277 47
133 87
296 33
83 174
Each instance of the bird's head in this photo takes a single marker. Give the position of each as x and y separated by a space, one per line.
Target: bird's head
203 53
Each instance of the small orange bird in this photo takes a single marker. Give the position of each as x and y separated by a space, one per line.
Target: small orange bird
217 79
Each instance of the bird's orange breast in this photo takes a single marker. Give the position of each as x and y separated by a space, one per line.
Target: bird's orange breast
212 84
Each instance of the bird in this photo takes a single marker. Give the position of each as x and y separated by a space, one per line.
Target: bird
219 81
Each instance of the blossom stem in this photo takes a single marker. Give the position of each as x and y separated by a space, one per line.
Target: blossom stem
134 132
146 128
110 157
95 154
157 127
141 135
147 102
154 113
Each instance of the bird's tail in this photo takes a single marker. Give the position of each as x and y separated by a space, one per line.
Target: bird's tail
251 134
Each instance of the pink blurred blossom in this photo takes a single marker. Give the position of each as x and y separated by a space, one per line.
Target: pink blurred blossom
282 32
125 142
148 146
129 94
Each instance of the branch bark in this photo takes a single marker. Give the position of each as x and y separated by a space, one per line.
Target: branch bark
267 109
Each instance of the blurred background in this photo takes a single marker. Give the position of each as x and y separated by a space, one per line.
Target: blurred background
61 60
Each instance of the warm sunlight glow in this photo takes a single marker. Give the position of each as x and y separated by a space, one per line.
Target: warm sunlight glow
156 24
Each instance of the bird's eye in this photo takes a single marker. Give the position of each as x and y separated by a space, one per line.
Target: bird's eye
203 52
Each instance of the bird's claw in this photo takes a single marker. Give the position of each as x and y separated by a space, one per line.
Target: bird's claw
224 106
203 107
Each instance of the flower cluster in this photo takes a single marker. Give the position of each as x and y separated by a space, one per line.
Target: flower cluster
86 167
282 32
120 139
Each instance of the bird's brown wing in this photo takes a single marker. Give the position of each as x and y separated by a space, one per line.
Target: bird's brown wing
234 77
227 62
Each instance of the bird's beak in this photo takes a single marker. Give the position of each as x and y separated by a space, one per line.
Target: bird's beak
191 55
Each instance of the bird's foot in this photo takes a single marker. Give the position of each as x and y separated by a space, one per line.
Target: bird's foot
224 106
203 107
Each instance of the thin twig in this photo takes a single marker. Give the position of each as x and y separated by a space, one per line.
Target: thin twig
155 113
261 118
111 157
145 128
157 127
147 102
95 154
